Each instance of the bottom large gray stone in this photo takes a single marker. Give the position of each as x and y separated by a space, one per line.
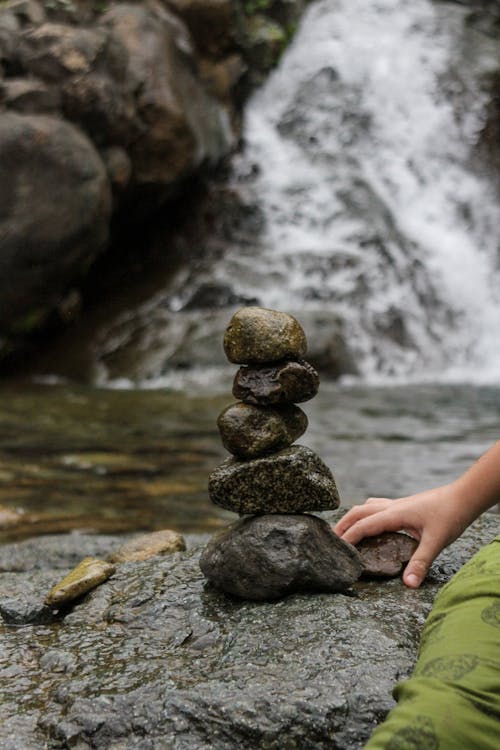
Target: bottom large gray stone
155 660
267 557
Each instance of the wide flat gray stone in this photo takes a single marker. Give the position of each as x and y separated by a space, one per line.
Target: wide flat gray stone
270 556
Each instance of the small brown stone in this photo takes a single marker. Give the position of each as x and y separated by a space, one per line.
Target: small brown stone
161 542
256 335
386 554
287 382
250 431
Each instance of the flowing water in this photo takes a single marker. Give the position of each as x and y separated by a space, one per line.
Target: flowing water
82 458
365 198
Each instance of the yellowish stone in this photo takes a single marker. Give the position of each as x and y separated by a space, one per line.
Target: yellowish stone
141 548
86 576
10 517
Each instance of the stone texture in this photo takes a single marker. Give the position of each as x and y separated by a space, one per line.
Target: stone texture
55 213
386 554
288 382
268 557
162 542
295 480
256 335
90 573
249 431
155 658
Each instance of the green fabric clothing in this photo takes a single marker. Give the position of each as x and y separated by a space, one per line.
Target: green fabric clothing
452 699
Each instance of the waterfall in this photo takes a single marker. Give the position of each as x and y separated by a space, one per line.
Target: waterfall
360 156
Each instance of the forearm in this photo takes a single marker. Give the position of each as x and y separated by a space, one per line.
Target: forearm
479 488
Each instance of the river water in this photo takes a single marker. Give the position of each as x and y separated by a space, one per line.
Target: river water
77 457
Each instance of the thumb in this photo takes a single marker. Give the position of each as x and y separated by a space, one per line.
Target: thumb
421 561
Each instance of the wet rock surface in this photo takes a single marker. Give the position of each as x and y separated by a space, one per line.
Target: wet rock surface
155 658
386 554
294 480
267 557
256 335
289 382
249 431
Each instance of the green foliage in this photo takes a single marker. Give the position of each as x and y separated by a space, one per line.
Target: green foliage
256 6
65 5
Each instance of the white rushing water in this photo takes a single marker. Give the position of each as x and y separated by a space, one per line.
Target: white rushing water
368 202
362 140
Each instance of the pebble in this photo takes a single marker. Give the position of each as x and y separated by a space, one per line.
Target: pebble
267 557
386 554
250 431
294 480
161 542
257 335
288 382
86 576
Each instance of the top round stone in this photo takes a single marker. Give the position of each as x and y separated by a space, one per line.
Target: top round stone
256 334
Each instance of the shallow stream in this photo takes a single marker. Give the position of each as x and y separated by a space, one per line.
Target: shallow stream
118 460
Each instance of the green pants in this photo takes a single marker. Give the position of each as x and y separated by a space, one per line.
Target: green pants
452 699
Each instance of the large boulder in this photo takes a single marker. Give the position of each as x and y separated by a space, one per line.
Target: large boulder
54 218
154 658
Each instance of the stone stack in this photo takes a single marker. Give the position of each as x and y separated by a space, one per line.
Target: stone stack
279 548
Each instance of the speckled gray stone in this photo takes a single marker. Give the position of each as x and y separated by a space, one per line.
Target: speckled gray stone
267 557
250 431
256 335
295 480
287 382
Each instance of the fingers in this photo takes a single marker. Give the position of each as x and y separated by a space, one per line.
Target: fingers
421 561
355 514
376 523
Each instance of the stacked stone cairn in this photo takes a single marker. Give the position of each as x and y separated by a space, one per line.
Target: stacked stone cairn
278 547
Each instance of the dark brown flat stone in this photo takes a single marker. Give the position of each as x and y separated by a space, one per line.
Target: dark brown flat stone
287 382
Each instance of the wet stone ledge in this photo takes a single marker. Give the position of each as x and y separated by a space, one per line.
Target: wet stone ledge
154 658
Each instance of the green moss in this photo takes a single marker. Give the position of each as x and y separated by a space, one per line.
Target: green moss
30 322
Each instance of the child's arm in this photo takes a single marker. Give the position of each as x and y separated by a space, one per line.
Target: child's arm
436 517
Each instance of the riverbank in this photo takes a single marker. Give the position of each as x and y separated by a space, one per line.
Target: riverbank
155 658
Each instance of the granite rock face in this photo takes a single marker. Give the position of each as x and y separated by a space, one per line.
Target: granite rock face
386 554
267 557
56 205
154 658
248 431
289 382
255 335
294 480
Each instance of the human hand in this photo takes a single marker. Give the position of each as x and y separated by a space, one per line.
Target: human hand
435 518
